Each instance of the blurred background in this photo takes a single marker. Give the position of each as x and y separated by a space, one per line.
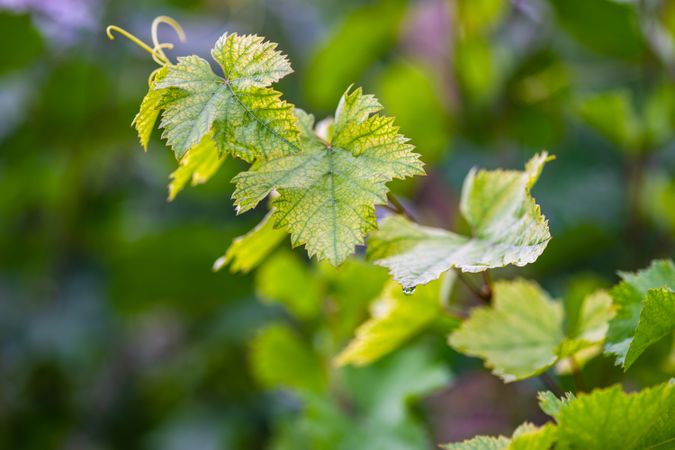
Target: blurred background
116 334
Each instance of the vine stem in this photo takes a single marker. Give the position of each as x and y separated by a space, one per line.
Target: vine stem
480 293
399 208
487 286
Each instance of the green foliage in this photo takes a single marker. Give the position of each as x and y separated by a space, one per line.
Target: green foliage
507 225
328 180
198 165
611 419
521 334
605 419
355 386
645 304
247 117
328 191
395 317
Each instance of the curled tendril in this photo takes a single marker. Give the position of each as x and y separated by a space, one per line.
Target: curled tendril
157 50
158 55
158 47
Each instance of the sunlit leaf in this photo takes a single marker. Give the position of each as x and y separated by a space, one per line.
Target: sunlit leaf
609 419
198 165
518 336
508 228
328 191
248 119
395 317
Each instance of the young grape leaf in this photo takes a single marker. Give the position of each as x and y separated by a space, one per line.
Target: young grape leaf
395 317
198 165
280 359
145 120
645 303
508 228
247 117
247 251
328 191
518 336
609 419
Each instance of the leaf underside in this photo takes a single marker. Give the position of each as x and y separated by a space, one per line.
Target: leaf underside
508 228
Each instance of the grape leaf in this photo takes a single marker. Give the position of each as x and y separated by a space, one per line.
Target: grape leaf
611 419
145 120
247 117
198 165
279 358
518 336
645 304
247 251
395 317
328 191
508 228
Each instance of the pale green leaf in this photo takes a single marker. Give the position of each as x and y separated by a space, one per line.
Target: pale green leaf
198 165
609 419
395 317
280 359
247 251
508 228
248 118
645 310
518 336
145 120
328 191
284 279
